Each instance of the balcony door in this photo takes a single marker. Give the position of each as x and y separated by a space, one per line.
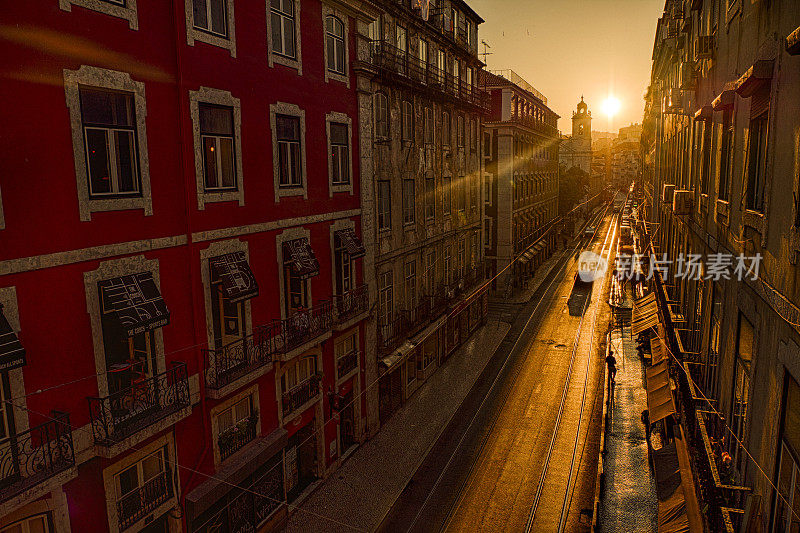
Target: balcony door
228 316
9 459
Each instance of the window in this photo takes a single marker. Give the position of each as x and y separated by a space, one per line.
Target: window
216 137
487 193
40 523
344 266
297 372
446 138
448 265
430 197
705 163
446 197
236 426
410 276
289 163
386 299
473 135
487 233
423 52
228 317
141 484
346 353
462 251
295 289
401 39
384 204
340 153
440 61
788 476
726 153
430 273
453 20
211 16
109 131
487 144
428 125
757 151
334 41
381 109
456 74
408 121
409 201
741 388
283 28
460 131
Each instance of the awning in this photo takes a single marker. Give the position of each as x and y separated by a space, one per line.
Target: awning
793 43
750 81
660 402
704 113
304 261
424 334
524 258
12 354
726 97
393 360
351 242
238 282
678 509
134 302
645 314
657 351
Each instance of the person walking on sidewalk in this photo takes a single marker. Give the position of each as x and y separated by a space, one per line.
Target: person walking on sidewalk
611 361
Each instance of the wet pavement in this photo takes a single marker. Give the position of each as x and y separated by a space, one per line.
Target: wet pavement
628 500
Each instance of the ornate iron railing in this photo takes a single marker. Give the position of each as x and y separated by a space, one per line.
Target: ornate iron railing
35 455
304 325
234 360
135 505
299 395
236 437
351 303
125 412
346 363
391 333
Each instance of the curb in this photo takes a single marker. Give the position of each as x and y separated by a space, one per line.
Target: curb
599 480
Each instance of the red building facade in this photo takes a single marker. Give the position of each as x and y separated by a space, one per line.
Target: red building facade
181 331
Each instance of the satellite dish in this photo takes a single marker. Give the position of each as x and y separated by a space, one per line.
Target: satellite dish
424 7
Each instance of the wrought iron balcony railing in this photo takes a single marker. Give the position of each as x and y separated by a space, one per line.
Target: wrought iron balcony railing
240 357
121 414
301 394
135 505
347 363
351 303
236 437
35 455
303 326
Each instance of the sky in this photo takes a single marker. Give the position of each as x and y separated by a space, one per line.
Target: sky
569 48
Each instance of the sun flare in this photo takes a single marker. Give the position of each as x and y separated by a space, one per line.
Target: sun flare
611 106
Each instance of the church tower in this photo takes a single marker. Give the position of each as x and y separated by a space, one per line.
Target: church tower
582 127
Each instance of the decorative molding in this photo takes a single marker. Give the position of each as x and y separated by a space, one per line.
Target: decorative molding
235 231
193 34
120 81
207 95
126 12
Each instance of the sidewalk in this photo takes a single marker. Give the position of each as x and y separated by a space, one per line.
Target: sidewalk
523 295
628 500
361 491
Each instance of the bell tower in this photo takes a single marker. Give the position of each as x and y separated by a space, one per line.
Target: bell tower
582 126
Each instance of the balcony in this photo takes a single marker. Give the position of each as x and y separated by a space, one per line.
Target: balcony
36 455
137 504
120 415
239 358
351 303
535 124
346 364
301 394
303 326
393 332
236 437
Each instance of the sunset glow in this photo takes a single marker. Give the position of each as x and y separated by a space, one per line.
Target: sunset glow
611 106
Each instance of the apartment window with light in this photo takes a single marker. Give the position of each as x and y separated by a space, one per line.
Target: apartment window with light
209 16
408 121
409 201
283 27
109 130
384 204
446 196
217 139
446 137
334 41
381 109
757 151
428 125
340 153
289 162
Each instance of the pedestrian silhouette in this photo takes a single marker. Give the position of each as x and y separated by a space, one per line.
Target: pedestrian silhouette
611 361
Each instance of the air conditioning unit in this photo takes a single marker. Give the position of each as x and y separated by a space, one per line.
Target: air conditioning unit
682 202
704 47
667 193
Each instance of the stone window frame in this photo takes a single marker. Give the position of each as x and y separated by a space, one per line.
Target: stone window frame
111 269
53 504
274 58
214 415
127 12
283 108
332 11
117 81
165 440
343 119
290 234
338 225
209 95
193 34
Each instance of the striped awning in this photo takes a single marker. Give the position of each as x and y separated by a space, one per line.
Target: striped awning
660 402
657 351
12 354
134 302
351 242
237 280
645 314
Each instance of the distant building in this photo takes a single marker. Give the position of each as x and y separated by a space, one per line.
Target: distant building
576 149
625 155
521 177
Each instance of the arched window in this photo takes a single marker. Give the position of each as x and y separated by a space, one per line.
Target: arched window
381 111
334 39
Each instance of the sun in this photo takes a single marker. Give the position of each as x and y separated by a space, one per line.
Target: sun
611 106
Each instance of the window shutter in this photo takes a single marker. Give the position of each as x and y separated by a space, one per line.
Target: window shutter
759 103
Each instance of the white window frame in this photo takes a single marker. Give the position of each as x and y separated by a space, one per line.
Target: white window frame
292 110
195 34
339 118
274 57
344 19
208 95
115 81
127 11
